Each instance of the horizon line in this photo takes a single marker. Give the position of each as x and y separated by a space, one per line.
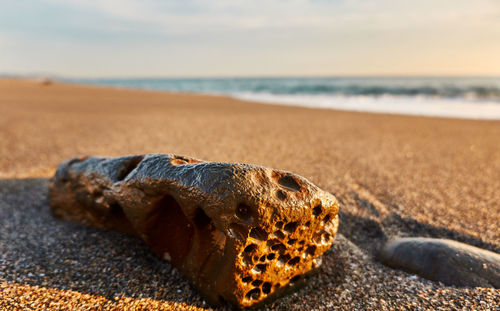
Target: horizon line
173 77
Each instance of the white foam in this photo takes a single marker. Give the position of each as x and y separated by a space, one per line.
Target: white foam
416 105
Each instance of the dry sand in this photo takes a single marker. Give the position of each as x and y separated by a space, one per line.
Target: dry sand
394 175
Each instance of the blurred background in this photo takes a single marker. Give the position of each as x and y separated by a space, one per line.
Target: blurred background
431 57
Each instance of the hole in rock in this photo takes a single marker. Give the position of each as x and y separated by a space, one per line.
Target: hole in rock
311 250
277 285
273 241
279 234
327 218
256 283
281 195
247 279
243 211
302 242
201 219
325 236
128 166
308 224
321 237
178 162
253 294
284 258
292 241
278 247
119 220
317 237
250 248
317 210
169 230
289 183
266 288
247 260
258 234
263 258
271 256
279 224
182 161
116 209
294 261
291 227
260 268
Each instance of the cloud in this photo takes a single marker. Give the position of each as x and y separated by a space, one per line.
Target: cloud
194 17
273 36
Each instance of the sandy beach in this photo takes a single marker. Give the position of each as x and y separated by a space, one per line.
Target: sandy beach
393 175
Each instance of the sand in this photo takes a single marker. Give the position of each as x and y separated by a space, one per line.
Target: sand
394 175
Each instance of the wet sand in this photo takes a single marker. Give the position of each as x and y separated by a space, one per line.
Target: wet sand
394 175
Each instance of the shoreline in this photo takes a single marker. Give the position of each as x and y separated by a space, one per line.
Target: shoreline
418 105
394 175
266 99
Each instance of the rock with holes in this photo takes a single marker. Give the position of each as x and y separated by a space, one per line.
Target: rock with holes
448 261
242 234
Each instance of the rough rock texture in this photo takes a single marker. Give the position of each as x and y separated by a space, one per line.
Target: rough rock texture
448 261
241 234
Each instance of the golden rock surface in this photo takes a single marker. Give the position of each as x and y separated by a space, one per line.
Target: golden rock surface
242 234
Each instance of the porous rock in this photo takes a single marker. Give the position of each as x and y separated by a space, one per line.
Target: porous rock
242 234
447 261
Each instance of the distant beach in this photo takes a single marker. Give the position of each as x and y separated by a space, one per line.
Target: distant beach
394 175
454 97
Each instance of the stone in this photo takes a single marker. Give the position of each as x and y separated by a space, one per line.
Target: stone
242 234
45 81
447 261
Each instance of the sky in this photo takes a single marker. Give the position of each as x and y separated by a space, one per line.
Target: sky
194 38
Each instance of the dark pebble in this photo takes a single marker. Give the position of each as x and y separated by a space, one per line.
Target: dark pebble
447 261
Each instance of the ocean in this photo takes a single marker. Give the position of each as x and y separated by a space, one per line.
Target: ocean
456 97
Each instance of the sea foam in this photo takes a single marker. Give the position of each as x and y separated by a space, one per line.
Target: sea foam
455 97
411 105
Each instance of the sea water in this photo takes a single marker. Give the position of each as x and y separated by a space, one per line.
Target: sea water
458 97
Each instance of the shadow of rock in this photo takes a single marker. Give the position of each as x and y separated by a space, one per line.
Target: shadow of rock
412 227
37 249
370 233
365 232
